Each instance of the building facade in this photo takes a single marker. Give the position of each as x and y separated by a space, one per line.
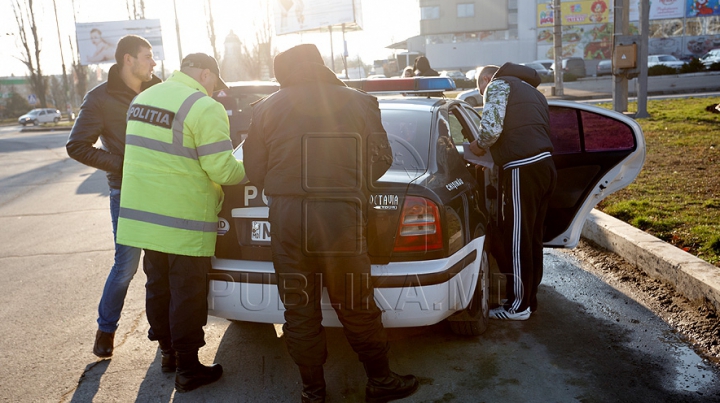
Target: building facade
463 34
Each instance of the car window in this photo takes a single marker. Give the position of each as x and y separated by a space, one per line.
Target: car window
409 137
605 134
573 131
564 130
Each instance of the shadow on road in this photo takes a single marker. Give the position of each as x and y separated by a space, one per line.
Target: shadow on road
89 382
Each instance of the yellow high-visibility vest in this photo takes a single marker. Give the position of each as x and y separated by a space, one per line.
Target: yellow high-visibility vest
177 154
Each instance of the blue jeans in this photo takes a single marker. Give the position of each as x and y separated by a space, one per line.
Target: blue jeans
127 259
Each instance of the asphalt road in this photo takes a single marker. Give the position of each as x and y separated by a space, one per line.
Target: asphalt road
588 342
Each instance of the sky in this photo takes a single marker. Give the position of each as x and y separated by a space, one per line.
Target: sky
384 22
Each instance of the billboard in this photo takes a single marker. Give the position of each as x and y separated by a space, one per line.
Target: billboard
659 10
575 13
316 15
702 8
97 40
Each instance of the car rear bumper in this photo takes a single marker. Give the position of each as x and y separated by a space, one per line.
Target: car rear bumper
410 294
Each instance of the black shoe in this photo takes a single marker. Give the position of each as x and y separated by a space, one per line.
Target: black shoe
313 379
103 347
191 374
384 385
168 362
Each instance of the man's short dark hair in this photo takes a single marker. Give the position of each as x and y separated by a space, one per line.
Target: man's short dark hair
130 44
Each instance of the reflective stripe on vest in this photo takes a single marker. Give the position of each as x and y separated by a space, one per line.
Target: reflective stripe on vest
167 221
177 148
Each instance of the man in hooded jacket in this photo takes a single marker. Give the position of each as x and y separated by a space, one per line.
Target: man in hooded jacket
515 128
316 146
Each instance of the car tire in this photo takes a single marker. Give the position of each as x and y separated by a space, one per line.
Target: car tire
56 120
35 122
471 101
473 321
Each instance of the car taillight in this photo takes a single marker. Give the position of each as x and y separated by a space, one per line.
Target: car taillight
419 229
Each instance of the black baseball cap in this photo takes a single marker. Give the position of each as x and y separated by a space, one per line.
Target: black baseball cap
203 61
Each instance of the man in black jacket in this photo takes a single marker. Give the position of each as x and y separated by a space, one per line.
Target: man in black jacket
103 115
515 128
316 146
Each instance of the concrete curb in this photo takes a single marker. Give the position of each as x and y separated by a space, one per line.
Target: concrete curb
692 277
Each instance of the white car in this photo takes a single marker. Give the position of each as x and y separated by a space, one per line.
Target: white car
665 60
430 212
472 97
711 57
40 115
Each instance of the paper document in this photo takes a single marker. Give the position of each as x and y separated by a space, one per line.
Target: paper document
486 160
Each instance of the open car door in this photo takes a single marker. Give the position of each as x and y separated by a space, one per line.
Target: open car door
597 152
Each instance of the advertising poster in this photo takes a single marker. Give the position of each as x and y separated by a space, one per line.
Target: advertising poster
293 16
97 40
702 8
576 13
659 9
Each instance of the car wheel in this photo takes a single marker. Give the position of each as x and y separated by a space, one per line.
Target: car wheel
473 321
56 120
471 101
35 122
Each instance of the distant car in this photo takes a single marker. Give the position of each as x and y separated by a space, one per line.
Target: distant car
40 115
470 74
472 97
454 74
429 214
238 99
711 57
547 63
665 60
545 74
572 65
604 68
374 76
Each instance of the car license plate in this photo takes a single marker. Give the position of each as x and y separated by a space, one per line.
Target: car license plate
260 231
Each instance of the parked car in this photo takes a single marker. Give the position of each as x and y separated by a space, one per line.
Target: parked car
470 75
454 74
546 75
665 60
430 212
713 56
604 68
238 100
572 65
547 63
40 115
472 97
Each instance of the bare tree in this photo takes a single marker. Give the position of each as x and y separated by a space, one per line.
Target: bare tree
80 73
211 29
25 18
257 59
136 9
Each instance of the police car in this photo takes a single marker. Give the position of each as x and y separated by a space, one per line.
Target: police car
431 211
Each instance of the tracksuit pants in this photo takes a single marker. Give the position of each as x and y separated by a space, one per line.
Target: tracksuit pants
320 243
526 189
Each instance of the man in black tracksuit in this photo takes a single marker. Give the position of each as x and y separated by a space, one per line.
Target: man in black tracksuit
515 127
316 146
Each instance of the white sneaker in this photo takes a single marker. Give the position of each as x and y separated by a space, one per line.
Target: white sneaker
503 314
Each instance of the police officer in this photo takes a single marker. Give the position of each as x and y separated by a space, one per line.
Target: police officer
178 154
316 146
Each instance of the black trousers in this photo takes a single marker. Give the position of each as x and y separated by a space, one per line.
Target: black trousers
320 243
526 192
176 299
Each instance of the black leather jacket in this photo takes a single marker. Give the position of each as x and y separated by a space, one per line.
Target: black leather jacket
103 115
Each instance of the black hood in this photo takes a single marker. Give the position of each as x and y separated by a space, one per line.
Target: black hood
302 64
527 74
